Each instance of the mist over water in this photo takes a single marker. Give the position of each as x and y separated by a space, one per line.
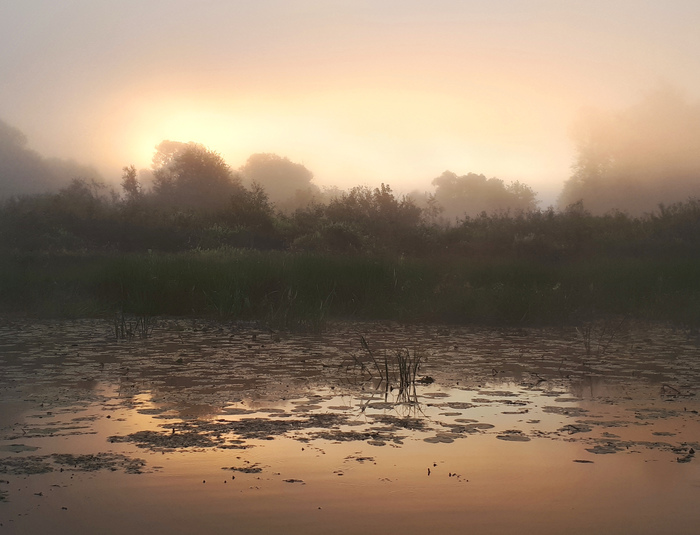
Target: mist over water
349 266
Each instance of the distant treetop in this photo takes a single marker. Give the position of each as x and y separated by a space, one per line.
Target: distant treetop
472 194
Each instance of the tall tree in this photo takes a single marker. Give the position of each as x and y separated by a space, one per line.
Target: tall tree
25 171
288 184
637 158
131 184
471 194
192 176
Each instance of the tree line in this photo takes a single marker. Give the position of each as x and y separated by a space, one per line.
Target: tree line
197 202
634 187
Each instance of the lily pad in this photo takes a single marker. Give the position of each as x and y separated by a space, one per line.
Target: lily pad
17 448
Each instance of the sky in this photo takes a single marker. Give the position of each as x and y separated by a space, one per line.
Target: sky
359 91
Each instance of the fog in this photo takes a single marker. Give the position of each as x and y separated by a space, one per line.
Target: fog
25 171
637 158
631 160
289 185
358 93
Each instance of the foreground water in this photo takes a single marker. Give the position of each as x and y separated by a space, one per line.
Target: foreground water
227 428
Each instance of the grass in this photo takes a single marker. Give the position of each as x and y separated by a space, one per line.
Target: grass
304 291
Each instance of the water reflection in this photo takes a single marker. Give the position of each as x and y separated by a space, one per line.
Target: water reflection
515 432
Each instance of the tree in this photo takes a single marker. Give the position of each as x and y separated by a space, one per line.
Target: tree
428 204
192 176
21 169
472 194
288 184
130 184
637 158
251 208
375 211
25 171
166 151
80 200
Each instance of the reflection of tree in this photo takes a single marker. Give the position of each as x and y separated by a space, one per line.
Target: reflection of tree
472 194
635 159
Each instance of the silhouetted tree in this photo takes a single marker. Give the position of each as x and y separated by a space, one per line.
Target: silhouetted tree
130 184
373 209
427 202
371 218
23 170
165 152
80 200
635 159
472 194
251 208
191 176
288 184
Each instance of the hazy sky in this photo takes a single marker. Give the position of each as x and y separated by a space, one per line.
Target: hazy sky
359 91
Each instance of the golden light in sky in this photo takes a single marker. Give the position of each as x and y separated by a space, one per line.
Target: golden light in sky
359 92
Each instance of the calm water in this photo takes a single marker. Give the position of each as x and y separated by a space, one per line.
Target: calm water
226 428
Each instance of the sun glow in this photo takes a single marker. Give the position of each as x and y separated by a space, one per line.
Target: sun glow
348 137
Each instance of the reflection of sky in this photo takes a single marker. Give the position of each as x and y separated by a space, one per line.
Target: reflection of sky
495 485
488 376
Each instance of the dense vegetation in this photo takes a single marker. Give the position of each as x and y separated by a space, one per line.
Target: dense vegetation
363 254
193 236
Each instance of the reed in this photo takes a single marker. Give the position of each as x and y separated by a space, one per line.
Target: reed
408 363
397 370
597 336
127 328
305 291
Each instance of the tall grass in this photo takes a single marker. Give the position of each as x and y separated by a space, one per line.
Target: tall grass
303 291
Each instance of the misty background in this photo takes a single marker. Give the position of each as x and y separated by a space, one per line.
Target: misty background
463 106
629 160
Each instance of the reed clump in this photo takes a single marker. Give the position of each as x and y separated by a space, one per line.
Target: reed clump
598 336
127 328
396 369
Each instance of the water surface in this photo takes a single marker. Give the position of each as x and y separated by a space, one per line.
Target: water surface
229 428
